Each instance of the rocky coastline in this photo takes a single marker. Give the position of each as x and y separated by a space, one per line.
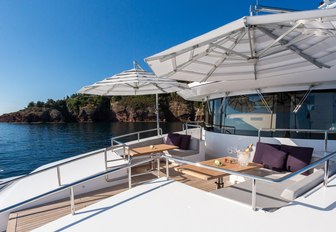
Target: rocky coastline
107 110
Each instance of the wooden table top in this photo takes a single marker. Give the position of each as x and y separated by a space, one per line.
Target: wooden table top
146 150
207 174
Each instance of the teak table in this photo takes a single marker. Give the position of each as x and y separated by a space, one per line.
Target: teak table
151 150
208 174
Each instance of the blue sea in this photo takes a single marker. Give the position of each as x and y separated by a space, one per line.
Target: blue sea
24 147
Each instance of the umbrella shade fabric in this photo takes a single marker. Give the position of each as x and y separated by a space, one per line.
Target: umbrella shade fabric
276 47
133 82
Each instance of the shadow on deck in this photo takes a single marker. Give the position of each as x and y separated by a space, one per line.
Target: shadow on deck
29 219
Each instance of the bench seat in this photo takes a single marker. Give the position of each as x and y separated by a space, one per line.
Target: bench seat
194 153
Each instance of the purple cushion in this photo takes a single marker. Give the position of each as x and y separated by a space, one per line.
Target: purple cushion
298 157
261 149
185 141
274 159
173 139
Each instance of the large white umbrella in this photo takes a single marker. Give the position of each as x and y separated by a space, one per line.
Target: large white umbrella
135 81
256 52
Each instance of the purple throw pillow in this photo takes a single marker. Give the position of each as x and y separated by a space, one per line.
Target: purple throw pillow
185 141
274 159
298 157
261 149
173 139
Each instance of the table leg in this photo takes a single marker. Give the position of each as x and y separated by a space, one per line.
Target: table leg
219 183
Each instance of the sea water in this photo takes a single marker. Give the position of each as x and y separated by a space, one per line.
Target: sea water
25 147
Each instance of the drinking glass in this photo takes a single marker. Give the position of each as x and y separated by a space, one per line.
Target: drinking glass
232 151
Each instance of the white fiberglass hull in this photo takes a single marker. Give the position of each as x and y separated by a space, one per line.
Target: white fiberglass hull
46 181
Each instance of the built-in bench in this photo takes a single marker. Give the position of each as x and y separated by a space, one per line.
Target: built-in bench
192 150
271 196
278 161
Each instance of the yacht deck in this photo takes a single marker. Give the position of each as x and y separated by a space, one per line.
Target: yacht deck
168 205
29 219
177 206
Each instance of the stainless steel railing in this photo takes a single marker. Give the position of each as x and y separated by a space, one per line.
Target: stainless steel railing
138 133
58 166
324 160
186 126
128 166
227 129
325 132
73 184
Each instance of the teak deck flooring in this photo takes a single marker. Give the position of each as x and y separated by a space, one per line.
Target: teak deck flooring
29 219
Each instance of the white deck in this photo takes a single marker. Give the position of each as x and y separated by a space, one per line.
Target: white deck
46 181
172 206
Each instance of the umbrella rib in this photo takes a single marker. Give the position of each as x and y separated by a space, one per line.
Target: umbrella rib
131 86
303 30
225 57
281 48
294 49
251 41
193 58
229 50
133 83
279 38
251 38
109 90
157 86
166 57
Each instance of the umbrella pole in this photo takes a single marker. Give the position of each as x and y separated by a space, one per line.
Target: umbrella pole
157 113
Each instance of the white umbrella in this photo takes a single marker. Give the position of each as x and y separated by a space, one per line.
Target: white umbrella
136 81
254 50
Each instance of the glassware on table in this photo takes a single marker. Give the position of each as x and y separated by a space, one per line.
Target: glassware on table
243 158
233 151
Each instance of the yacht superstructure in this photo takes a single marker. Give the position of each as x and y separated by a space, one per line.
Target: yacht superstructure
268 78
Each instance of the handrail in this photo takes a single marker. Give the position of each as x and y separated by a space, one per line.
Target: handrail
79 158
57 166
185 127
61 164
225 128
266 179
71 185
325 132
114 139
129 166
324 160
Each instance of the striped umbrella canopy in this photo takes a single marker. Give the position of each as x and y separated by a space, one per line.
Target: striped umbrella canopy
135 81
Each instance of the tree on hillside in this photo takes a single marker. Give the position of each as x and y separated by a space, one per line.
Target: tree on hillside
40 104
31 104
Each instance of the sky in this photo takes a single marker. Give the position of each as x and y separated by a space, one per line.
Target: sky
50 49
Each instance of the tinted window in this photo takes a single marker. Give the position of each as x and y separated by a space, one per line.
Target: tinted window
246 114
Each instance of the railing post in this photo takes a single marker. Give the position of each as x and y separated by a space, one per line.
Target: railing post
138 137
158 167
325 141
72 200
124 150
167 168
259 133
254 194
326 172
129 178
105 156
59 176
